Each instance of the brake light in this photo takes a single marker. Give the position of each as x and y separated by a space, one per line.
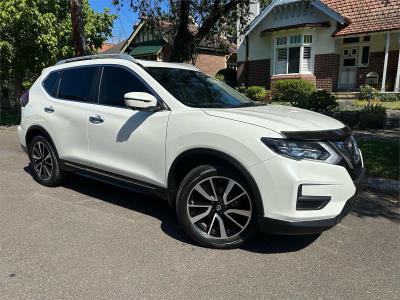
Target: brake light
24 99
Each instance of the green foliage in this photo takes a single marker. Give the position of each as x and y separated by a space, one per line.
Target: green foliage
389 97
295 91
381 157
9 118
228 76
373 109
321 101
372 116
220 77
256 93
252 91
34 34
367 92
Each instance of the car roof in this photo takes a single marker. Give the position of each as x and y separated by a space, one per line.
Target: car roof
115 59
160 64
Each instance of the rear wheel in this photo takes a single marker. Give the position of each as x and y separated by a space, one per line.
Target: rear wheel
216 208
44 161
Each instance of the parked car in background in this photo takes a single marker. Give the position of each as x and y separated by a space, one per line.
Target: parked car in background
229 167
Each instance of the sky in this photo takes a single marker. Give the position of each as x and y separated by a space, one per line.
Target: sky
126 18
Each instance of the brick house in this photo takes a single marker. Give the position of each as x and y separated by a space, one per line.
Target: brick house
213 55
336 44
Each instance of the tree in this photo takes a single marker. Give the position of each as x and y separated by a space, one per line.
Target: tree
35 34
78 35
213 17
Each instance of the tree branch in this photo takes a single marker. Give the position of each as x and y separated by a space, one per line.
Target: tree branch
214 17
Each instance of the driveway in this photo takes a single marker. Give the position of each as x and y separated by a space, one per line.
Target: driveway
91 240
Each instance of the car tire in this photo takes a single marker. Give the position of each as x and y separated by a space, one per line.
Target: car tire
215 207
45 162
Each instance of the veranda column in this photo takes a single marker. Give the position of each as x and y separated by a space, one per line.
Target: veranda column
386 61
396 86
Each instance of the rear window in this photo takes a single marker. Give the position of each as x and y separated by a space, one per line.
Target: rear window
50 84
77 84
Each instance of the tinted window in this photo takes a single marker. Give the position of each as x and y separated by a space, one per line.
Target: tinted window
196 89
115 83
50 84
76 84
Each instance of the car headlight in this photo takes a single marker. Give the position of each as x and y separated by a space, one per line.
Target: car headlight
302 150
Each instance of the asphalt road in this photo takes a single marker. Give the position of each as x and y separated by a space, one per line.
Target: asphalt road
91 240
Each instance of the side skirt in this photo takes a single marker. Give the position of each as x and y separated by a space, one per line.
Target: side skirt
115 179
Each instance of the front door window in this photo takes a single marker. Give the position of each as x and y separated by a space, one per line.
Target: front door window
348 76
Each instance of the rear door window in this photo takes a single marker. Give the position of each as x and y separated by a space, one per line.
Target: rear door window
116 82
78 84
50 84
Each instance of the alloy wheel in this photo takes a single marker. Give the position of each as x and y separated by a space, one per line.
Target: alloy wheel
42 160
219 207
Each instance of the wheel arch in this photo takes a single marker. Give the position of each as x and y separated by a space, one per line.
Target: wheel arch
184 162
35 130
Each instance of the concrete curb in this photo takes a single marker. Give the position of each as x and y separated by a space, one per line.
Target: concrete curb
380 184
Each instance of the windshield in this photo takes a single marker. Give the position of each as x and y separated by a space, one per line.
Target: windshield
195 89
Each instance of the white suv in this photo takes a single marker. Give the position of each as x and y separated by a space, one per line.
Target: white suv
228 166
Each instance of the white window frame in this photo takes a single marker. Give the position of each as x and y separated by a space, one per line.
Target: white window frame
288 45
360 46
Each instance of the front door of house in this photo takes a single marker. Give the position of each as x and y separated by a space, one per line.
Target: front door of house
348 69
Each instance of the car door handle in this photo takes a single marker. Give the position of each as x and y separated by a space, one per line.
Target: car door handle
96 119
48 109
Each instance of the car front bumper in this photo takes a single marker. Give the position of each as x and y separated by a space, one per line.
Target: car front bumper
281 182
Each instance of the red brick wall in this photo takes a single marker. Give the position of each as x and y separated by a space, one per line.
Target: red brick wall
376 62
210 63
326 71
258 73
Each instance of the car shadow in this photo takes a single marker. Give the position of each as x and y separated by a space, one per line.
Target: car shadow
145 203
377 205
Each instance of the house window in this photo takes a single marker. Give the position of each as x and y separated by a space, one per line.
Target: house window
281 41
306 59
351 40
295 39
307 39
365 56
294 58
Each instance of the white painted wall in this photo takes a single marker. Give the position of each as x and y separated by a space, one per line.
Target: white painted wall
261 45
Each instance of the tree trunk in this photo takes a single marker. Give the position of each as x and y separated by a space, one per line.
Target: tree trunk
78 35
182 45
185 43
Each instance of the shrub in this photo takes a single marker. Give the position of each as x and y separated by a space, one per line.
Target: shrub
321 101
389 97
350 118
220 77
228 76
367 92
252 91
295 91
372 116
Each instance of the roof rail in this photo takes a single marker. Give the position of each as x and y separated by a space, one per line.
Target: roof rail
97 56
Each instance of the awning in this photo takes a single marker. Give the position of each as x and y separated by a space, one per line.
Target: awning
145 50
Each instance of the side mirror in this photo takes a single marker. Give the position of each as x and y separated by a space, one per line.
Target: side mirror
141 101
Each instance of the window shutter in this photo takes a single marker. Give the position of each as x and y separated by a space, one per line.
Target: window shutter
281 61
306 59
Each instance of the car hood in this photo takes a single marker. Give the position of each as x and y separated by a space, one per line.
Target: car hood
278 118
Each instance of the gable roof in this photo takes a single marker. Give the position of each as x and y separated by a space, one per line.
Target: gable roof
367 15
116 49
268 9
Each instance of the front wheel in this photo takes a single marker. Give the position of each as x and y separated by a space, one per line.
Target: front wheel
216 208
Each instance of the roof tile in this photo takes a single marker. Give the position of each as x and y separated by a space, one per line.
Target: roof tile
366 15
